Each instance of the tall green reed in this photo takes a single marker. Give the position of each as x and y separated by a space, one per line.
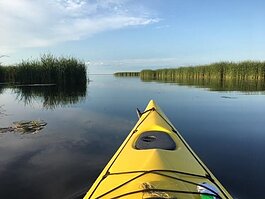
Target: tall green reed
247 70
47 69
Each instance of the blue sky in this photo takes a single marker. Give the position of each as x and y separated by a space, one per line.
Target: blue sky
122 35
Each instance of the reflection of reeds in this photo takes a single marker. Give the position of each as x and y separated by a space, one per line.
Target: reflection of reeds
49 69
1 89
51 96
215 84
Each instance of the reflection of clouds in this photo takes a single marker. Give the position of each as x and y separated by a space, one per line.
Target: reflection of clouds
12 146
61 163
93 121
67 155
56 169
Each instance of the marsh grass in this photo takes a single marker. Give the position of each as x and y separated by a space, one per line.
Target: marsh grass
222 76
247 70
47 69
127 74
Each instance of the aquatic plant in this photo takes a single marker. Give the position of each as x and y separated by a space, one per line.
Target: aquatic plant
229 76
48 69
127 74
25 127
247 70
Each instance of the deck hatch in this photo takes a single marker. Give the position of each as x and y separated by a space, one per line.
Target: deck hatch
155 140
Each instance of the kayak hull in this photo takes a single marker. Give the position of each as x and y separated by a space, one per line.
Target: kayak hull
155 161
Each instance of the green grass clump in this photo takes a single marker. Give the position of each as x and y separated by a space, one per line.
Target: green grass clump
222 76
248 70
228 76
48 69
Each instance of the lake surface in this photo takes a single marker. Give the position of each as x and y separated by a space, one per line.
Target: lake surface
85 128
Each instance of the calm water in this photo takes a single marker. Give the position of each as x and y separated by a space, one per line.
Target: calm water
85 128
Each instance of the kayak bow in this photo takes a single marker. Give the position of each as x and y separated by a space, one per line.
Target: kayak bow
155 162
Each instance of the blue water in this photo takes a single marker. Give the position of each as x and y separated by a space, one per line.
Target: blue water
226 130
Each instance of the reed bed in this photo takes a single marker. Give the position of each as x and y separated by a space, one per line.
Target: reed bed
247 70
226 76
127 74
48 69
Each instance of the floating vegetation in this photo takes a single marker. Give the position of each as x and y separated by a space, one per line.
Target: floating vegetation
25 127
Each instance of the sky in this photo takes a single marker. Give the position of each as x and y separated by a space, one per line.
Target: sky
129 35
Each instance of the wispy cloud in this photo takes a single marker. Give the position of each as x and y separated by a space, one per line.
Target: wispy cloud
27 23
171 61
138 64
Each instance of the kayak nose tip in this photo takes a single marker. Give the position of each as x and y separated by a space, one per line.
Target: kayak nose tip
152 103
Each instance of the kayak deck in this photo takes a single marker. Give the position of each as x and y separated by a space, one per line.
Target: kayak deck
154 161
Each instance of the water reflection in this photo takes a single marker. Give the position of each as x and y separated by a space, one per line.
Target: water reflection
2 88
65 159
215 84
51 96
67 156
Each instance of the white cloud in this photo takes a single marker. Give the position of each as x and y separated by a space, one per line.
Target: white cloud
169 61
38 23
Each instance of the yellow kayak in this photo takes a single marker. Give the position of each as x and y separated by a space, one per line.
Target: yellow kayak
155 162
